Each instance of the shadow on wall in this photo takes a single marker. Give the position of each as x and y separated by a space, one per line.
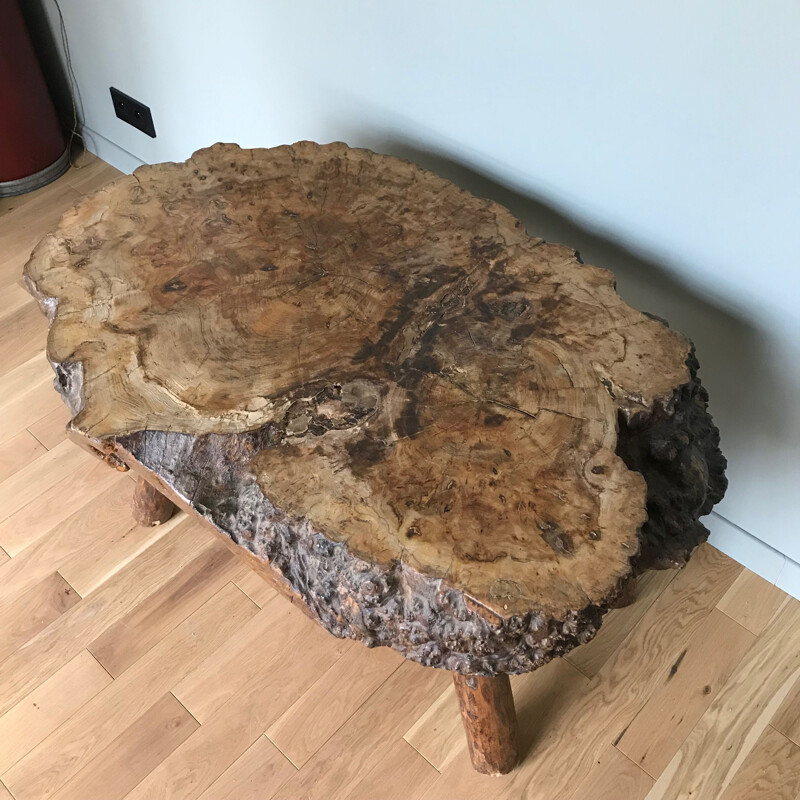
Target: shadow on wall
746 390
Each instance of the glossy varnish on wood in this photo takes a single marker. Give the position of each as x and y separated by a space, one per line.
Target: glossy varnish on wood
170 671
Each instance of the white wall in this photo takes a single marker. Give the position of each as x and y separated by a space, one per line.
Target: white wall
660 139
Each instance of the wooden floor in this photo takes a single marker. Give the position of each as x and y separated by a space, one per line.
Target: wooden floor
150 663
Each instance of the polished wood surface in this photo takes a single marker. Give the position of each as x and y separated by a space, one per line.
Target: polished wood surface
441 433
170 673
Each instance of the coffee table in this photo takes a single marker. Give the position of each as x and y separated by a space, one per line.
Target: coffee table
427 428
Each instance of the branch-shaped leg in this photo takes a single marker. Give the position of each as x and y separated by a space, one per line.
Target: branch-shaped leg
490 721
149 506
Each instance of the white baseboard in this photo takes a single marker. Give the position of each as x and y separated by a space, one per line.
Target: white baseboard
756 555
110 152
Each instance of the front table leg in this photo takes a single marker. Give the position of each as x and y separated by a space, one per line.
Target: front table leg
150 507
490 721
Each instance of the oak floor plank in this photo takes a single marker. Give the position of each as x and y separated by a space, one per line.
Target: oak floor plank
23 334
24 616
34 372
87 571
684 691
770 772
50 704
400 768
17 452
35 478
752 601
255 775
203 758
368 736
256 588
4 793
26 395
133 754
144 626
727 732
44 194
438 735
787 717
56 503
12 297
203 692
106 517
613 777
51 429
227 734
92 173
331 701
87 733
22 227
566 751
84 622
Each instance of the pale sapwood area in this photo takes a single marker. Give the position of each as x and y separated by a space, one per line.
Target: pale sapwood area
442 434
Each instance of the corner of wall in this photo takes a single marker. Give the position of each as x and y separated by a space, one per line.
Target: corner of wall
109 151
754 554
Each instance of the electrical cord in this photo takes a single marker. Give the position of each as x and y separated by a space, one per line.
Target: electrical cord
74 132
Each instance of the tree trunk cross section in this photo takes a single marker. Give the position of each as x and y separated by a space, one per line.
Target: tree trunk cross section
430 429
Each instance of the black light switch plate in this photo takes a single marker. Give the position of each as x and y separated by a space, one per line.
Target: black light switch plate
133 112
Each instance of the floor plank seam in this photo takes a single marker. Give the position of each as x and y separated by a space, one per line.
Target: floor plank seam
94 658
653 600
344 721
28 429
697 722
771 619
199 724
785 736
235 582
638 766
422 755
58 572
264 734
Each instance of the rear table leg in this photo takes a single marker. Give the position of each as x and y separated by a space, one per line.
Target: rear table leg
150 507
490 721
628 593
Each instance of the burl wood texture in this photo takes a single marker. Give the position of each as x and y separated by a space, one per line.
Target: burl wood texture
444 435
490 722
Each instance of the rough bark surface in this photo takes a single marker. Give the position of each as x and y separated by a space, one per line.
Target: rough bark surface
490 722
445 435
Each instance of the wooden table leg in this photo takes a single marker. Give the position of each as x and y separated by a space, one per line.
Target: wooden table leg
149 506
490 721
628 593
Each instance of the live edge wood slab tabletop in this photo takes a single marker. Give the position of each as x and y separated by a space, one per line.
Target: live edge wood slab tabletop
430 429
